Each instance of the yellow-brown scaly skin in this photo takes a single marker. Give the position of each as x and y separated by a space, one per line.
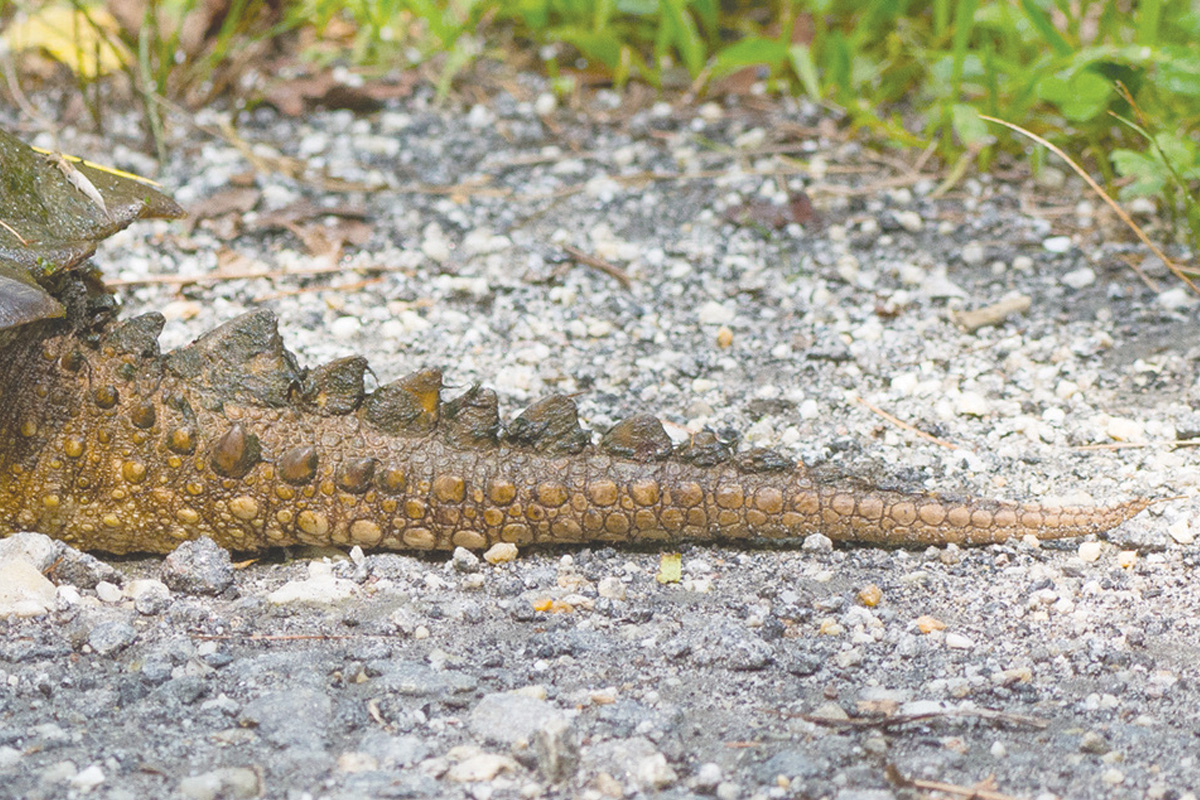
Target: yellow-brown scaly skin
111 446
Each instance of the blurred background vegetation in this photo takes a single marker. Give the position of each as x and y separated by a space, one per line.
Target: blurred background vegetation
1114 82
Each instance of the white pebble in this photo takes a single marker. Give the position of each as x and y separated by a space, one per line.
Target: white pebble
959 642
973 253
611 587
480 116
1112 776
1065 390
709 775
481 241
345 328
88 778
500 552
1090 551
910 220
9 757
1079 278
998 750
1181 531
434 244
714 313
108 592
1123 429
817 543
1176 299
972 404
1142 206
750 139
1057 244
545 104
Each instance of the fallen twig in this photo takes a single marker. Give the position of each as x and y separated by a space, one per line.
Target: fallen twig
348 287
898 720
1125 445
598 263
906 426
1141 273
218 277
24 242
980 791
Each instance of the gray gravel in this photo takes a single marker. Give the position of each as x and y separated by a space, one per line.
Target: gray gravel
1052 670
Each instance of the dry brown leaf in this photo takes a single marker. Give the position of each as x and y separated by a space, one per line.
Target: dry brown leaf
230 261
297 96
304 210
235 200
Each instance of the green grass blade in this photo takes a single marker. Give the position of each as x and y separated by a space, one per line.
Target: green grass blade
1050 35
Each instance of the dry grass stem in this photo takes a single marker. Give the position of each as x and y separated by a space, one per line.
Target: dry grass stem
899 423
1113 204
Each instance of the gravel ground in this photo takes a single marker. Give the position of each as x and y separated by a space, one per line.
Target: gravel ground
1053 670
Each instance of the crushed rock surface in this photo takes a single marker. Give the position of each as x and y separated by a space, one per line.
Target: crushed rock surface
1040 670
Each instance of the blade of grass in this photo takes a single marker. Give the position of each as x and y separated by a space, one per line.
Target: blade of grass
1045 27
1149 15
1113 204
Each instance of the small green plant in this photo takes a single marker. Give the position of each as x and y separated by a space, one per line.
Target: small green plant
1168 169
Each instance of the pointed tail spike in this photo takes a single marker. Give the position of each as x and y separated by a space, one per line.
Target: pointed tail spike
243 359
639 438
335 388
704 449
409 405
472 419
550 426
137 336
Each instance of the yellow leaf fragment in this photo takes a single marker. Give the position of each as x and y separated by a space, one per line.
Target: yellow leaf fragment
670 568
120 173
82 37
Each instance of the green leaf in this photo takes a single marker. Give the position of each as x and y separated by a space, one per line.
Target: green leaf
681 32
603 46
967 125
751 51
1179 76
806 69
641 8
1149 174
1083 96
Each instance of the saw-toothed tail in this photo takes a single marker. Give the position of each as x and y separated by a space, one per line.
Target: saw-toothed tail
114 446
